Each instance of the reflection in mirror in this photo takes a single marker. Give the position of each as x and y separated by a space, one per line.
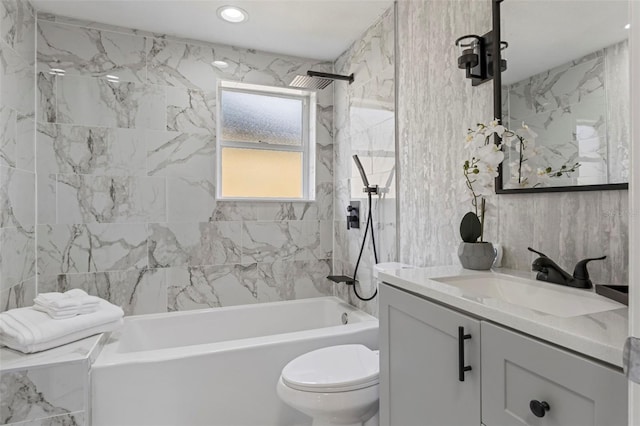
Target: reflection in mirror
568 81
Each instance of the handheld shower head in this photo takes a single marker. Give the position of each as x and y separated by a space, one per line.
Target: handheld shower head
363 175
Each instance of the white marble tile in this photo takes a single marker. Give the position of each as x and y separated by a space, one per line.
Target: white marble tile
17 27
90 150
320 209
200 287
293 280
173 63
46 92
40 393
180 154
17 252
190 200
25 146
94 247
46 196
97 102
194 244
137 292
87 199
8 137
17 76
232 210
287 240
17 198
85 51
191 111
18 296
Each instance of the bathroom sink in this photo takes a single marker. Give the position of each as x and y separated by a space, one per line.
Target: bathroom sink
562 301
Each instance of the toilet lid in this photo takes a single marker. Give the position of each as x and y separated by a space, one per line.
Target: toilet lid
333 369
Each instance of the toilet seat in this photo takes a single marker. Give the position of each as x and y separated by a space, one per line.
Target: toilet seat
333 369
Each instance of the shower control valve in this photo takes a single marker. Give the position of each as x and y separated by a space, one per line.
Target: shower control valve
353 218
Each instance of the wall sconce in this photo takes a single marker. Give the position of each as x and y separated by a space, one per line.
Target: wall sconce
503 62
475 58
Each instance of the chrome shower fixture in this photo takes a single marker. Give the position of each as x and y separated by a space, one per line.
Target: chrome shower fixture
318 80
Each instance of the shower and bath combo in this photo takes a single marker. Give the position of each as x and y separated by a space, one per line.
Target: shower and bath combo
317 81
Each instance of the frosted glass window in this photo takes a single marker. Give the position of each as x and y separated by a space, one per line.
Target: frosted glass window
249 117
256 173
265 142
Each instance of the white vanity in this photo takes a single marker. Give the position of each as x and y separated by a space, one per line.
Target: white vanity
462 348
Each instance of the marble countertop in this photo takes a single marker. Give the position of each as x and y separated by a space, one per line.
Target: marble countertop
80 350
600 335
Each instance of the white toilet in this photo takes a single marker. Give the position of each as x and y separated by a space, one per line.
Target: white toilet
337 385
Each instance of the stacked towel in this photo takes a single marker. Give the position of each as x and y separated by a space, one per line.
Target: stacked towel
29 330
66 305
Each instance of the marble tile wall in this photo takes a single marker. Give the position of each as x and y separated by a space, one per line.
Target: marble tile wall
17 157
53 395
580 111
126 191
435 107
364 120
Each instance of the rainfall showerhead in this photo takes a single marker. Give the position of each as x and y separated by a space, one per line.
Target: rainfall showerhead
318 80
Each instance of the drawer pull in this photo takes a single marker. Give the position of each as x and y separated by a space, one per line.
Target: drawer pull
539 409
461 367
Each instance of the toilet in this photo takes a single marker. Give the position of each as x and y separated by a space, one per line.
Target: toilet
336 385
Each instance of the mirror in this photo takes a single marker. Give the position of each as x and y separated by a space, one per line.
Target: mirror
567 80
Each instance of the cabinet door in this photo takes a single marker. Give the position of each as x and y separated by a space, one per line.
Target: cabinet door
419 363
517 370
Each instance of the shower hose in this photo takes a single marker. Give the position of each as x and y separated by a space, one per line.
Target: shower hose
375 254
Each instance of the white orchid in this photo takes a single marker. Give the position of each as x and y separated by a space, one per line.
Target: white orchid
484 158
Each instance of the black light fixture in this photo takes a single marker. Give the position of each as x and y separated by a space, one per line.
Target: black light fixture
503 62
475 57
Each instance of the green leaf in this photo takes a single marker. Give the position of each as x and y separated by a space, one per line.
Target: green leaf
470 228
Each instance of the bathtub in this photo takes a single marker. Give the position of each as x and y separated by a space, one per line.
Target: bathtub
216 366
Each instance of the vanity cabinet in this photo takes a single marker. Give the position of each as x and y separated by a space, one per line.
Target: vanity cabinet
521 375
422 362
512 378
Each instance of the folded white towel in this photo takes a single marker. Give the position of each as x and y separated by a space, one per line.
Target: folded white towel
65 305
37 347
32 330
57 300
58 313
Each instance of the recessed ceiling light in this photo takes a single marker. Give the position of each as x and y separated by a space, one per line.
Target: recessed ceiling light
626 27
220 64
232 14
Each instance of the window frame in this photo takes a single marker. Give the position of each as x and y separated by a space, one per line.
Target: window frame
307 148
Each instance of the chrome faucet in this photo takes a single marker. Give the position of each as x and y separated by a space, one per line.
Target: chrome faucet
549 271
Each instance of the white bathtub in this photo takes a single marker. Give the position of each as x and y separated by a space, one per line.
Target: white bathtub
216 366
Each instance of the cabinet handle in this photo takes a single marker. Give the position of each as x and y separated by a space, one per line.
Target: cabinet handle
461 367
539 409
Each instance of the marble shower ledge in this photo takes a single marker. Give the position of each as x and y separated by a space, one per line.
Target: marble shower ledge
600 335
80 350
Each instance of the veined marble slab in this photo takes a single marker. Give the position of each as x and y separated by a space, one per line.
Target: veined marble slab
75 351
600 335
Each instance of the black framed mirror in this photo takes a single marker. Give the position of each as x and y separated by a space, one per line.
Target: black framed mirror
567 79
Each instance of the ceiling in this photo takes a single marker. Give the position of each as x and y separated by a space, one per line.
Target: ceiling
543 34
318 29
